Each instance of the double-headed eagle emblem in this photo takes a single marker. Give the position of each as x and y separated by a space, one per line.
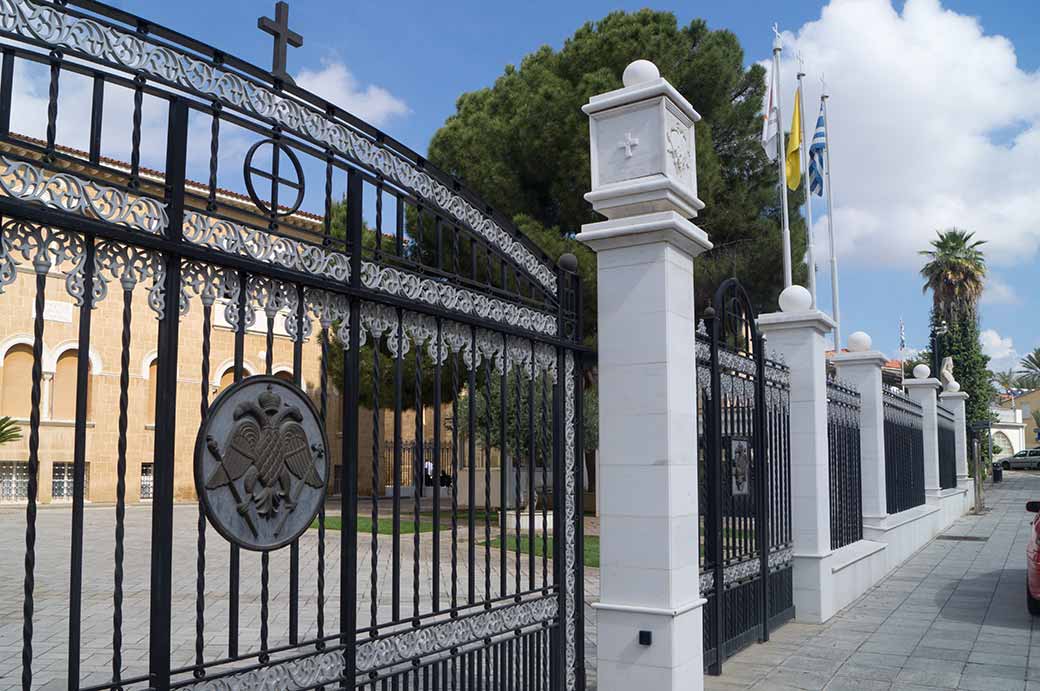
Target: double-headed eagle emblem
268 447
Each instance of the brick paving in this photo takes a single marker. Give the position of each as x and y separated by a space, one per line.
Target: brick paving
953 616
51 622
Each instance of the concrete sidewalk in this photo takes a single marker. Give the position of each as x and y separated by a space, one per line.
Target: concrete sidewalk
953 616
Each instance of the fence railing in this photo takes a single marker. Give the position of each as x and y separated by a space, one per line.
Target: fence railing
947 449
409 449
904 452
843 452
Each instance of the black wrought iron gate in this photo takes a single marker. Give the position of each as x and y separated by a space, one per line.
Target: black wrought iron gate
348 267
745 470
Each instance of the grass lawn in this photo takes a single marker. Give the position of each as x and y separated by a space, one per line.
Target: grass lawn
386 525
591 547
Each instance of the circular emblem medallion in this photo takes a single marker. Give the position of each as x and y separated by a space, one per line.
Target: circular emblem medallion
274 176
261 463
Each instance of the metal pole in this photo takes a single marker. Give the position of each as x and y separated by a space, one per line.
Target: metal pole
803 155
781 160
830 223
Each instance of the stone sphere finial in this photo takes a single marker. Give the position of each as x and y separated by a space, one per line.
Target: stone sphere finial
569 263
795 298
922 371
859 342
953 387
639 72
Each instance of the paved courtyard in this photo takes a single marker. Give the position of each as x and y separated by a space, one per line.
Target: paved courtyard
50 639
953 616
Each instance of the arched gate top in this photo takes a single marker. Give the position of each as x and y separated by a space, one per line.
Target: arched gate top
171 64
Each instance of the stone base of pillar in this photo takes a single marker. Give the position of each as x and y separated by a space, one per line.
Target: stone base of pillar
904 533
825 584
952 503
674 659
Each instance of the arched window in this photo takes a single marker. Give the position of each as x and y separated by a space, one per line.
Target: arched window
1002 440
64 392
227 379
17 382
285 376
153 371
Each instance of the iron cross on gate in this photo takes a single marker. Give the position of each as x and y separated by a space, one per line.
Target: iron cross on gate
283 36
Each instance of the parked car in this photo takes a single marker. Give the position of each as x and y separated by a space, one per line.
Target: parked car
1026 458
1033 562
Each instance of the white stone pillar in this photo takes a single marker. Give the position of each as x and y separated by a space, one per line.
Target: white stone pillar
649 618
800 334
955 402
862 367
923 389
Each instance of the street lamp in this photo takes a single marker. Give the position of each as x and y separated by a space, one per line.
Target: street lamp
937 332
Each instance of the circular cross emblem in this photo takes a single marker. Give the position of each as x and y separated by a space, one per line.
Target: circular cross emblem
272 153
261 463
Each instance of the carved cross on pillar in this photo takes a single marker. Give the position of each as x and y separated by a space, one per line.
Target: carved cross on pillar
283 36
628 144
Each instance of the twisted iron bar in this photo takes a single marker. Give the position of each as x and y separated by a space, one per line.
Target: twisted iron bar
376 375
124 387
200 565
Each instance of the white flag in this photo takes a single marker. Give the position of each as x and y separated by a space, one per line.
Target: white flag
770 125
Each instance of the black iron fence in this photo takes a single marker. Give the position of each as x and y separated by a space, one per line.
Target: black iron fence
387 285
947 449
420 458
746 554
843 453
904 452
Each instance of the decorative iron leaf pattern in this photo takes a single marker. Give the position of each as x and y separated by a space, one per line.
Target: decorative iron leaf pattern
570 626
129 265
438 293
66 192
46 248
901 409
262 245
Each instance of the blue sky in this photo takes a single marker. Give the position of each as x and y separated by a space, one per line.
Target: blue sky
420 56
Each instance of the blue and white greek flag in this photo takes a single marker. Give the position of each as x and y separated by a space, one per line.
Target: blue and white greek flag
816 151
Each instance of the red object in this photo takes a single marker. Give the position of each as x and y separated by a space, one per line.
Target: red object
1033 561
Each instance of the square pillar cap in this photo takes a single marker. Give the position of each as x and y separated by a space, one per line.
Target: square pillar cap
863 357
785 321
646 229
929 383
954 395
641 91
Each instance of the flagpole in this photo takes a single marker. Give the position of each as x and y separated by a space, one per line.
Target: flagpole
830 218
781 158
803 154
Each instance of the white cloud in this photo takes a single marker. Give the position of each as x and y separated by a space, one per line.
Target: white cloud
1001 350
997 292
921 104
335 83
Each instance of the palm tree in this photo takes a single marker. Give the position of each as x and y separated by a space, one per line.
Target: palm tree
1030 372
9 431
955 272
1008 381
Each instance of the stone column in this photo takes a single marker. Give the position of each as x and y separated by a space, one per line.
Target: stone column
799 332
923 389
649 618
862 367
954 400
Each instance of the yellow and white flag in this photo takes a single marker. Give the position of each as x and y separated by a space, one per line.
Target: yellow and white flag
794 145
